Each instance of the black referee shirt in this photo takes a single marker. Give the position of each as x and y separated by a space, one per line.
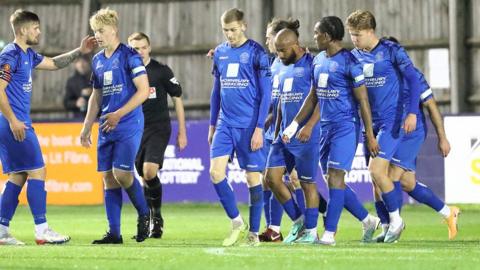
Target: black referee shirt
162 82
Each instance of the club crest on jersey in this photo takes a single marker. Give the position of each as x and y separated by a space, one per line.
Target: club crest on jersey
232 69
298 72
107 78
368 70
379 56
333 66
322 80
99 65
287 85
244 57
115 63
153 93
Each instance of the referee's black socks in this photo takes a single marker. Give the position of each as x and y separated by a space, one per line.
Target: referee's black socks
153 194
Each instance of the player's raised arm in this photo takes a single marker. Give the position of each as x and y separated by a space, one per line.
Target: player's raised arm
58 62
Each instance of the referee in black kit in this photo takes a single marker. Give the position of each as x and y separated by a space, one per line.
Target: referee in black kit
157 129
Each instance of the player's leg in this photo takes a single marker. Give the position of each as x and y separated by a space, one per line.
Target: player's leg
425 195
297 189
254 183
113 208
8 205
273 210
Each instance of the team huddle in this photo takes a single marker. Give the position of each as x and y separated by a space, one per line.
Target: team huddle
317 109
279 114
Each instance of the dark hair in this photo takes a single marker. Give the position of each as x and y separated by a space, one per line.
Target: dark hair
21 17
139 36
361 20
232 15
392 39
278 24
333 26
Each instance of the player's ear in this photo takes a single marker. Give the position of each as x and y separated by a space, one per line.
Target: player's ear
244 26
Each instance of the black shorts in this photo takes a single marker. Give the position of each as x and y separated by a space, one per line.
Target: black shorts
152 148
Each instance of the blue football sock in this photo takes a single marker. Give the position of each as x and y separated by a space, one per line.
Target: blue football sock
391 200
311 218
353 205
137 197
292 210
255 207
425 195
382 212
227 198
37 200
398 189
335 207
267 196
9 202
300 199
276 211
113 207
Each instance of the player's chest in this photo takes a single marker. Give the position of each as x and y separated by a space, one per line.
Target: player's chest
235 65
291 78
329 73
110 71
377 65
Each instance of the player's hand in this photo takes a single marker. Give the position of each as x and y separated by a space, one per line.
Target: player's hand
210 53
81 102
88 44
110 121
211 131
304 133
290 131
410 123
372 146
181 140
444 147
18 129
85 139
257 139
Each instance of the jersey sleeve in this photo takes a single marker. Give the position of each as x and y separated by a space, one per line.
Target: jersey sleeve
356 73
264 74
407 69
37 58
262 64
172 86
135 65
94 82
8 64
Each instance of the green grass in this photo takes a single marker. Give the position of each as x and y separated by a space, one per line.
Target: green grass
194 233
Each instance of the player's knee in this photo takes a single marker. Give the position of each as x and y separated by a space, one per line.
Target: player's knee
336 179
407 185
254 178
216 175
149 174
376 173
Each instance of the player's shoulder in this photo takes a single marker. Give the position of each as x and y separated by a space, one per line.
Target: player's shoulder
127 50
309 58
98 56
389 45
11 50
222 47
349 57
319 57
255 46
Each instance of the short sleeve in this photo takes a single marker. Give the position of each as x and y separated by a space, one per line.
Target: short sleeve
36 58
356 72
8 64
171 83
135 64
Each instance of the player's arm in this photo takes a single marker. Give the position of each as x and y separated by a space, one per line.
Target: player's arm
265 93
142 93
306 131
93 108
17 127
307 107
214 107
58 62
361 95
278 121
182 130
437 121
269 119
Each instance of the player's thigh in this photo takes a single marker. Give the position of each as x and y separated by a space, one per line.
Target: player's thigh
155 147
343 146
306 161
20 156
105 148
389 137
406 154
125 150
254 161
222 142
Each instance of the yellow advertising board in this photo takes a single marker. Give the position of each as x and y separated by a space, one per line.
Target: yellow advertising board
72 177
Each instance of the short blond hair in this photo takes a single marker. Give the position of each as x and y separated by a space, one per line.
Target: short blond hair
104 16
232 15
361 20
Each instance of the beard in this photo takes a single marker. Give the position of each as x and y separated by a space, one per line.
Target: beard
290 60
32 42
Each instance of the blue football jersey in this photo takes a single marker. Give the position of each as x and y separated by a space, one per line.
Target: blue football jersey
335 78
114 76
294 83
16 68
425 94
239 70
270 132
382 67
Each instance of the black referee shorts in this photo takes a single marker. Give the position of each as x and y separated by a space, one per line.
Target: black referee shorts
152 148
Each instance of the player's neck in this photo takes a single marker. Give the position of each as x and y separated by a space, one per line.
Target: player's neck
373 44
301 52
333 48
240 42
109 50
146 61
21 43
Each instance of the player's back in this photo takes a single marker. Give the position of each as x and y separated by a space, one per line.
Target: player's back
16 67
238 69
113 76
335 77
295 81
380 67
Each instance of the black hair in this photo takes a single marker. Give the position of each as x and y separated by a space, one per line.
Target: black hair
277 25
333 26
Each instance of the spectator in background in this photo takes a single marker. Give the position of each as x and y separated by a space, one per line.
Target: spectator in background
78 88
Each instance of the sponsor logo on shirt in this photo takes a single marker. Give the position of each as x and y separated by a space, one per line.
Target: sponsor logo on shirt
232 69
287 85
223 57
107 77
276 82
368 70
333 66
322 80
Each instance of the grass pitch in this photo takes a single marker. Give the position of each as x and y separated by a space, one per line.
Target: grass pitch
194 232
